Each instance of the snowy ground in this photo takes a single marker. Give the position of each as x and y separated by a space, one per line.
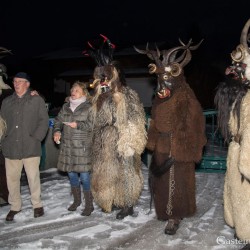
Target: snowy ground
61 229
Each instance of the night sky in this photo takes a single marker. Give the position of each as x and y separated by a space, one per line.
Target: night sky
32 28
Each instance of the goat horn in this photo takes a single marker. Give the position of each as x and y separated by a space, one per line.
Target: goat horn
189 42
140 50
152 68
238 54
196 46
244 36
186 59
4 52
158 51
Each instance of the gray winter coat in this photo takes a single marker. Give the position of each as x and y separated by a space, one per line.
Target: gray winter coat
27 124
75 147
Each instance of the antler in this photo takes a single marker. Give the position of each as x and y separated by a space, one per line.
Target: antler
152 54
186 56
4 52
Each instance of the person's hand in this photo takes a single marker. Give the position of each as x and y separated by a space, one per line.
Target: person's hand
34 92
57 137
71 124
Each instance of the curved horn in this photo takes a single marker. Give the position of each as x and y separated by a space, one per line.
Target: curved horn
145 52
169 55
178 59
92 85
189 44
158 51
186 59
140 51
153 55
183 44
238 54
196 46
4 52
244 36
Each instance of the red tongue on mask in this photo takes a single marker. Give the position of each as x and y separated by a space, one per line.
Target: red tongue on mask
228 71
104 84
163 94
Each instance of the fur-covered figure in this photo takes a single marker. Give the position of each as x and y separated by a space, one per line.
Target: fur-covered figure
118 123
233 102
5 90
176 136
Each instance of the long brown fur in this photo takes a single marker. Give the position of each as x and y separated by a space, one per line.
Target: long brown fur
117 177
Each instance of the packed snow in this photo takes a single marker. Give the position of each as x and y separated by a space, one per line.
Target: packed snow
64 230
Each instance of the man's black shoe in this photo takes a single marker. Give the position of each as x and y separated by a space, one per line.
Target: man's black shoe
10 216
38 212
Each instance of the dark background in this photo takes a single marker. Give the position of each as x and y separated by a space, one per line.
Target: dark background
31 28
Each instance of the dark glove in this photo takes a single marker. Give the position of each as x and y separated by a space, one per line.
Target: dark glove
159 170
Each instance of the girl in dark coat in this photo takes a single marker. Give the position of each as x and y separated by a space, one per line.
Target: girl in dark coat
75 149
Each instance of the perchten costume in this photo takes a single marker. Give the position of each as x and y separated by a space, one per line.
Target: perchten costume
119 134
233 102
5 90
176 136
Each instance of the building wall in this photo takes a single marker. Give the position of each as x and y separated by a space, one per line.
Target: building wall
144 87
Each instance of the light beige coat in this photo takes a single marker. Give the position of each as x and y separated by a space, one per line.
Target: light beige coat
236 191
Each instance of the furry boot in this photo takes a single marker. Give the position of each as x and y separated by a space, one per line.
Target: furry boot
76 192
125 212
89 208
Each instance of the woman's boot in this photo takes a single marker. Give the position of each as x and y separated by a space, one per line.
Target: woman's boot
76 192
89 208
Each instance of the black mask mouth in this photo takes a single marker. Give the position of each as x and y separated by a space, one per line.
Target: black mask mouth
104 86
237 71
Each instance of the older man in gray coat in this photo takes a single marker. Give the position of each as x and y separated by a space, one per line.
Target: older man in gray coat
27 123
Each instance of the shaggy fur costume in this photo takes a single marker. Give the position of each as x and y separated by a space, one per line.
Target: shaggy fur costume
119 134
233 101
5 90
119 139
177 129
236 188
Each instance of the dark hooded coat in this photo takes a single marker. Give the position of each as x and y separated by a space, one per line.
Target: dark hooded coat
177 130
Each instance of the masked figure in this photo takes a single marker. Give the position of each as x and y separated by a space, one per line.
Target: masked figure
176 136
5 90
233 102
118 123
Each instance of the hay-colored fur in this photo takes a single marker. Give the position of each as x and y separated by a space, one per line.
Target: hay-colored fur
3 127
119 140
236 191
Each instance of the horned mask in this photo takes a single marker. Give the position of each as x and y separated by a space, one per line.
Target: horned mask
168 66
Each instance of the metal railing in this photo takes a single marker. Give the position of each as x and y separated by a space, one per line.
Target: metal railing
215 150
